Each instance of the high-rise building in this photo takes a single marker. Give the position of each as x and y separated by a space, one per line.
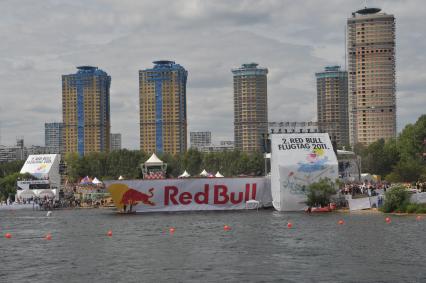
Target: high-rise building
200 139
250 107
86 110
332 104
115 142
53 137
371 68
162 98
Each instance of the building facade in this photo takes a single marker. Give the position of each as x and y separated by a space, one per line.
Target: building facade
332 104
200 139
371 71
86 111
115 141
53 137
250 107
162 102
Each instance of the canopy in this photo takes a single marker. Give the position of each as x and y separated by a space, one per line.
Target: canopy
154 161
218 175
184 175
27 194
120 178
86 180
204 173
96 181
47 193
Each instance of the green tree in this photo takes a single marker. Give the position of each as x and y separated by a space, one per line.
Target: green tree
396 198
320 193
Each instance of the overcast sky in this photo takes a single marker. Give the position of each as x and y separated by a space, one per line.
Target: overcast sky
41 40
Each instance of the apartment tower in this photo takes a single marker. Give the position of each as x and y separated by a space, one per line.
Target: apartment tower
371 68
162 104
250 107
332 104
86 111
53 137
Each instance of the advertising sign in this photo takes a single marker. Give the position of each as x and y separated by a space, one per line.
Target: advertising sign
187 194
39 164
298 160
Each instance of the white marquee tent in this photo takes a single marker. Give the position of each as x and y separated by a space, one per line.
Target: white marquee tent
218 175
184 175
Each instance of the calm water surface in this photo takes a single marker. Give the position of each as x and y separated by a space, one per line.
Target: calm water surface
259 248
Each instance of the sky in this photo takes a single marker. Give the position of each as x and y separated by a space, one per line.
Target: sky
42 40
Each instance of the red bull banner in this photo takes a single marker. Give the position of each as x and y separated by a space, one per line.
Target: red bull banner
188 194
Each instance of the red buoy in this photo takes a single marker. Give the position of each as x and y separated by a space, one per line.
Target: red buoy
388 220
48 237
226 228
172 230
109 233
341 222
289 225
8 235
418 218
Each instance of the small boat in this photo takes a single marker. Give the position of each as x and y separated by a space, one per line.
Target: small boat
318 209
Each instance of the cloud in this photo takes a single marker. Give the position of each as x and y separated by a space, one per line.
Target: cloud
293 39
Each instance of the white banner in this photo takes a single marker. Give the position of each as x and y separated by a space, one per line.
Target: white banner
188 194
359 204
297 161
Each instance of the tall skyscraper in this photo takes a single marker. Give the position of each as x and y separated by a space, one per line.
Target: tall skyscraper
53 137
332 104
86 110
162 102
115 142
250 107
371 62
200 139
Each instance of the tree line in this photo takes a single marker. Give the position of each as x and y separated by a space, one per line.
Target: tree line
127 163
400 159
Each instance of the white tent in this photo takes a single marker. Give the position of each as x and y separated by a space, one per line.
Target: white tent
218 175
121 178
154 161
96 181
184 175
204 173
47 193
25 194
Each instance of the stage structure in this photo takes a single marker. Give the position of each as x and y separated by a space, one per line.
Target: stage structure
45 177
298 160
154 168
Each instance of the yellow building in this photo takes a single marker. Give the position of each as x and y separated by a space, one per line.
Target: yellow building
250 107
162 104
371 75
86 111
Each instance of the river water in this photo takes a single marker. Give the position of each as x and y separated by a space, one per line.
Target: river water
259 248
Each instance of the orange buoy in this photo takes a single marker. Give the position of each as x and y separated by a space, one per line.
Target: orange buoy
48 237
289 225
8 235
172 230
341 222
388 220
226 228
109 233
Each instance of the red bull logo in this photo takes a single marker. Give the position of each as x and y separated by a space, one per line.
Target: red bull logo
133 197
180 195
123 196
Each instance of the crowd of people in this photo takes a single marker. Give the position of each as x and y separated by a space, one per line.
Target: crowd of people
364 188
